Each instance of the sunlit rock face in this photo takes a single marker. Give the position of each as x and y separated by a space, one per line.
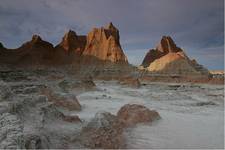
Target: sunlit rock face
167 58
167 45
103 44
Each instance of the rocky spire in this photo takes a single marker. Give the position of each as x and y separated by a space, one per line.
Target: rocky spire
169 59
110 26
104 44
167 45
36 38
1 45
71 42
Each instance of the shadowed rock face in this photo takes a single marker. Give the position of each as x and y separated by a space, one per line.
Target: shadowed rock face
167 45
71 42
167 58
103 43
151 56
34 52
70 48
1 45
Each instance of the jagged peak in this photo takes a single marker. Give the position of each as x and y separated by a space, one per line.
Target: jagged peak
1 45
167 44
37 41
69 37
110 26
70 33
166 37
36 38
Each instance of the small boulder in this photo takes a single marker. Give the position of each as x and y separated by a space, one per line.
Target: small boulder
132 114
71 118
131 82
84 84
104 131
67 101
50 112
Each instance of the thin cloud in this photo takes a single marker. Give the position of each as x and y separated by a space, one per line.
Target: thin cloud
193 24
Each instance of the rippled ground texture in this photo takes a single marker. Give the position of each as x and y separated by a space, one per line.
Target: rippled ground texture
192 115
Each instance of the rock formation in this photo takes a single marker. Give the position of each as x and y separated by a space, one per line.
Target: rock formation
1 45
69 102
167 58
75 86
71 42
130 81
131 114
34 52
70 48
103 44
104 131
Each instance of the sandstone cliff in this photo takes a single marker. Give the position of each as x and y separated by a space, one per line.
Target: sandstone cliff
100 46
103 44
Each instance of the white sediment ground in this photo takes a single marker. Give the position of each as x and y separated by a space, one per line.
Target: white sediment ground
192 116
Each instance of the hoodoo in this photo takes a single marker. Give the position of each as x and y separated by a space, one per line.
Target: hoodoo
103 44
72 43
70 48
167 58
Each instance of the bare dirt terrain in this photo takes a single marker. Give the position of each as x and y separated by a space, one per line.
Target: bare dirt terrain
192 115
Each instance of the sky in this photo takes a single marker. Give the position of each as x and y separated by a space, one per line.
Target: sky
197 26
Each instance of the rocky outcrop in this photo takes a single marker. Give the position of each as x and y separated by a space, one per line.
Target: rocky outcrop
130 81
71 42
103 45
131 114
67 101
36 141
70 49
34 52
50 112
167 58
167 45
11 132
85 84
100 46
104 131
1 46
